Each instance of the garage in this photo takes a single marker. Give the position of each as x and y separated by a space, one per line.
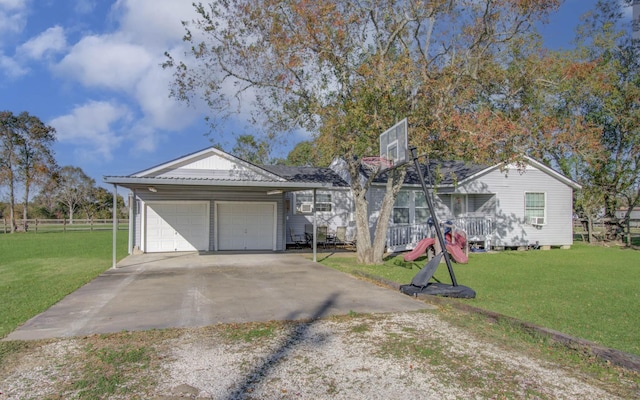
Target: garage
176 226
246 225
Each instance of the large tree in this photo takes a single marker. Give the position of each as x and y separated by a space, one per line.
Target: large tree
9 142
598 88
347 70
74 189
27 153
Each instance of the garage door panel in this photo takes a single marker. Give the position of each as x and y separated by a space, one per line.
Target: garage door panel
246 226
177 227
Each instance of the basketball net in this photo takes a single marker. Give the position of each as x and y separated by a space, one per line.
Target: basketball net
376 164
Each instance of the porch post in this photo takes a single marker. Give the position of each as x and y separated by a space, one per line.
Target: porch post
315 228
115 223
132 205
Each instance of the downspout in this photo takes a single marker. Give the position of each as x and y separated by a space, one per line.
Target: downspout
115 223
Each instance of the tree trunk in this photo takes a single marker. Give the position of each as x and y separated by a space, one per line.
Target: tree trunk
12 204
25 211
363 236
70 214
394 183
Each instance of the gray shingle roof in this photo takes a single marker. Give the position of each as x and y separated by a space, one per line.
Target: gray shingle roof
306 174
448 172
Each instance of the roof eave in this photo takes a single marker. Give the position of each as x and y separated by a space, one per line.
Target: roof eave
135 181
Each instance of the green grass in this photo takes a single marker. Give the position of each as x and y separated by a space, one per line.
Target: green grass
590 292
38 270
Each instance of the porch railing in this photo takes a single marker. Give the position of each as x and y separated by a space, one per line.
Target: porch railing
477 228
405 237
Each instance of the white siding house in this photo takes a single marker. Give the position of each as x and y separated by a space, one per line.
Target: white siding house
212 201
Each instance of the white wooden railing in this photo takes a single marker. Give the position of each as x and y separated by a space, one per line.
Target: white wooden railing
405 237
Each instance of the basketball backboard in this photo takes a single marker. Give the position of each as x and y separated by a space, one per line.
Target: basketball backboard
393 144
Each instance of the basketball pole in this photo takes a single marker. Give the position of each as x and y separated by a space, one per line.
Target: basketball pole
439 234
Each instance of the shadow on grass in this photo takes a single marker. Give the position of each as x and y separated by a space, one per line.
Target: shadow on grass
296 336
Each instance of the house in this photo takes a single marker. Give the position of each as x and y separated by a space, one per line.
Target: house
212 201
497 206
634 215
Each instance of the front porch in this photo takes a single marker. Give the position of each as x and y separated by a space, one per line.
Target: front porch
479 231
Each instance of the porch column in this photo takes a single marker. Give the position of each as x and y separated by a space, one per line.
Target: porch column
315 228
115 223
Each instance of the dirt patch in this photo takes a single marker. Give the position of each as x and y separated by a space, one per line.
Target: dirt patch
354 357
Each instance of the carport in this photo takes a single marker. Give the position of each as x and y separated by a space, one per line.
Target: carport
213 201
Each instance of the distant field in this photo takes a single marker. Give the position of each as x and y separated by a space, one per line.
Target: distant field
38 270
592 292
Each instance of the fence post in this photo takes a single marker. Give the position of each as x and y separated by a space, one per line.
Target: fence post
36 225
64 224
5 225
91 224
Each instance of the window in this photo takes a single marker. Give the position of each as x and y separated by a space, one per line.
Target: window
458 205
323 202
401 208
421 209
304 202
534 208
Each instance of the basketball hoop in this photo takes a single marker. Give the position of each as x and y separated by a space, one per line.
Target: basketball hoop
376 163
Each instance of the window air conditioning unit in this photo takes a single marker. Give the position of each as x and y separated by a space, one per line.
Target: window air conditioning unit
536 220
306 207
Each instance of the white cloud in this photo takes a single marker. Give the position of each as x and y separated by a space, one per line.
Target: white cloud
106 61
154 23
12 16
10 67
152 94
92 128
52 40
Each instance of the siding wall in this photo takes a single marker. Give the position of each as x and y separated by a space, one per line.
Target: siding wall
341 215
501 194
186 193
509 188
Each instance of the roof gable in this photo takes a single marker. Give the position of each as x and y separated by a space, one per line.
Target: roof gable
209 163
450 173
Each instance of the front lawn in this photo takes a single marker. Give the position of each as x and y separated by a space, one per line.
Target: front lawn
38 270
591 292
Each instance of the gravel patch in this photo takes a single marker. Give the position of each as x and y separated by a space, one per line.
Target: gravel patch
400 355
356 359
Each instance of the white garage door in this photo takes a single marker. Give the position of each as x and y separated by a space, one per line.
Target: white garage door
177 226
246 226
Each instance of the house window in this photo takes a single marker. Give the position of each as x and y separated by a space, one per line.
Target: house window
401 209
535 208
421 209
458 205
304 203
323 202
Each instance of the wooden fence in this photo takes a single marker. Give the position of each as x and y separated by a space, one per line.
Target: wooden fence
62 225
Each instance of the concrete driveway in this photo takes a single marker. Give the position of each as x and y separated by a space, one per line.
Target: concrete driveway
191 290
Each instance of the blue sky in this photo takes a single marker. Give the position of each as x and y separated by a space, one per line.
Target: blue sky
91 69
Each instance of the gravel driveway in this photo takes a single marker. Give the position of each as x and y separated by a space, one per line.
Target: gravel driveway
416 355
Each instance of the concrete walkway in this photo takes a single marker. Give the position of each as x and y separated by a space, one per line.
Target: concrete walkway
190 290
